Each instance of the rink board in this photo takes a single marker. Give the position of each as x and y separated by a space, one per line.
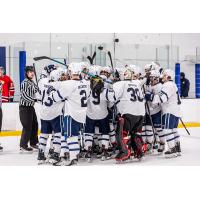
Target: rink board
190 109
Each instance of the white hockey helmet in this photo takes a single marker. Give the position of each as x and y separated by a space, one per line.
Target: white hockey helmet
169 73
135 69
62 70
127 74
44 74
95 70
106 69
155 73
84 65
55 75
155 66
75 68
148 67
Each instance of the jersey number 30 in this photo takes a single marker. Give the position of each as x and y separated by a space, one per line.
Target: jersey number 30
135 94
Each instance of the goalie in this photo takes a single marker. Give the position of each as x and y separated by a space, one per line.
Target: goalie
130 105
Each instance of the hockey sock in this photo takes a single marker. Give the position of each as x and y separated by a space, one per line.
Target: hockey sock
51 142
64 147
57 142
149 133
74 147
161 135
88 140
144 137
169 137
176 135
43 141
112 134
100 140
105 140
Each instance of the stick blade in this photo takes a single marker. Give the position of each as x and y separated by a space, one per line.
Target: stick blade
40 58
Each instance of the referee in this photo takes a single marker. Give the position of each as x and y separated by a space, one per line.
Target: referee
27 113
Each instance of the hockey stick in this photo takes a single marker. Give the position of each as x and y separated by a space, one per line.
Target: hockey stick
35 74
184 126
110 57
91 59
48 58
151 121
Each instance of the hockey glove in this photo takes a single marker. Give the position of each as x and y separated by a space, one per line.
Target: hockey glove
149 96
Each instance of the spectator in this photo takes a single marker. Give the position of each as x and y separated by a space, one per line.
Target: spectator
8 89
185 86
27 113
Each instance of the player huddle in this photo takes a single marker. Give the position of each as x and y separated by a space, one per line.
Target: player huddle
93 112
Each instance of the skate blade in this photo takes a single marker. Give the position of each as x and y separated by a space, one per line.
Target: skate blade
25 152
103 158
42 162
89 160
171 156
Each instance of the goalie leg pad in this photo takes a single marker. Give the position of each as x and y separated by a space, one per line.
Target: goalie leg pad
122 141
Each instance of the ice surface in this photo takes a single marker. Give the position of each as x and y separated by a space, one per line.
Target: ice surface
190 153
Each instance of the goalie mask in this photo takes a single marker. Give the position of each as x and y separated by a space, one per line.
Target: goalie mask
97 85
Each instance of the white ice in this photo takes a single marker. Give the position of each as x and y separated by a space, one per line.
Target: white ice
190 153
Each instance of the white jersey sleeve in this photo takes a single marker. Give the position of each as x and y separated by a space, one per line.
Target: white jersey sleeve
49 109
169 98
154 108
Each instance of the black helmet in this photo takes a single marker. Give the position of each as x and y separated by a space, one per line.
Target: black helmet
182 74
29 68
96 85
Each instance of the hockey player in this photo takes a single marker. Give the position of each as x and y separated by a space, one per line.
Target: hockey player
97 115
155 114
76 91
106 74
130 105
169 99
51 117
8 89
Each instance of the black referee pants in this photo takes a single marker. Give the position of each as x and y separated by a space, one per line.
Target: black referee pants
29 122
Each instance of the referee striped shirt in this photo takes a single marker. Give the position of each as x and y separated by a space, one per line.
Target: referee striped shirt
27 93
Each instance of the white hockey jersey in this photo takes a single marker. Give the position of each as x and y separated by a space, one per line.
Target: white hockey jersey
169 99
98 105
154 108
129 97
76 93
49 109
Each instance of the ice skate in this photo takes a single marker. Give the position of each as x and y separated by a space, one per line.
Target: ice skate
123 156
105 155
171 153
54 158
178 148
88 155
41 157
72 162
35 147
26 150
161 148
63 160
